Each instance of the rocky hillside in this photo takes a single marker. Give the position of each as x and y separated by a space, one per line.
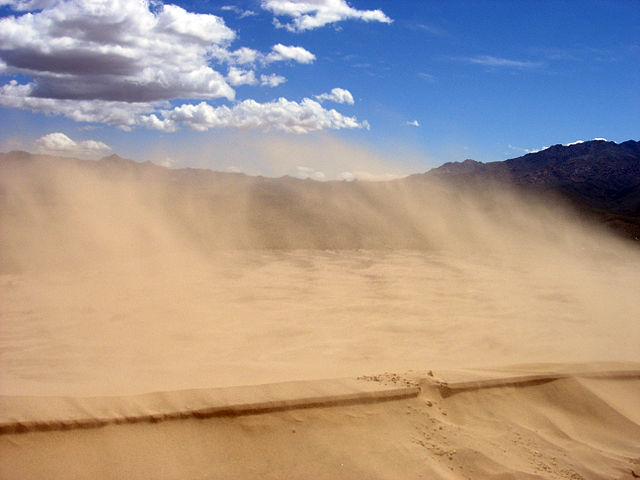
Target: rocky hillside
600 178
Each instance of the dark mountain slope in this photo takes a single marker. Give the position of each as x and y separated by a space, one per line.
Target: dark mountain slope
601 179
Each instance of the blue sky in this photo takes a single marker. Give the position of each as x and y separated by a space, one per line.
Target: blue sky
322 88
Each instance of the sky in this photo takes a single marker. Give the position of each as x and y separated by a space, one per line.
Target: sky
323 89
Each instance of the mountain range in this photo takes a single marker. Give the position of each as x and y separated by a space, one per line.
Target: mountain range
599 179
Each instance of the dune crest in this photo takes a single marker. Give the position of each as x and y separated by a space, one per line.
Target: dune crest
577 423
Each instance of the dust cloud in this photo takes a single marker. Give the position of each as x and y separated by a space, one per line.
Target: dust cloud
122 278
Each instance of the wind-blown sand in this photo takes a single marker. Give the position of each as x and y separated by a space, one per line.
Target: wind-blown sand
260 317
113 288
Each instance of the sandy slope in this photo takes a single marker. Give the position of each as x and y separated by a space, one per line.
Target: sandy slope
260 317
117 285
573 428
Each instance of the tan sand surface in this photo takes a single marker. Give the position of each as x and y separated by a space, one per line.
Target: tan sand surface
117 286
276 316
573 427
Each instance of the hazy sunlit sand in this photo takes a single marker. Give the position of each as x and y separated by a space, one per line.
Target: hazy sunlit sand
253 317
333 360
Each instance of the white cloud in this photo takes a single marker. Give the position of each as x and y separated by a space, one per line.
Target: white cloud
245 55
491 61
21 5
527 150
536 150
120 62
272 80
59 144
238 76
120 114
152 122
281 52
577 142
278 53
281 115
308 172
310 14
240 12
338 95
172 20
413 123
115 50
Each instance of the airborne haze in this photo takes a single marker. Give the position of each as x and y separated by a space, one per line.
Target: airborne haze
125 278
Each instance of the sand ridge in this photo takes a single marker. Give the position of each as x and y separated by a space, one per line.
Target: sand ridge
580 425
20 414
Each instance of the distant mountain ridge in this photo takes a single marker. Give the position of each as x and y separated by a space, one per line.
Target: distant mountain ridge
603 174
600 179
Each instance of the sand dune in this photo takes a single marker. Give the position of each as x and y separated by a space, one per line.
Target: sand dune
119 284
392 426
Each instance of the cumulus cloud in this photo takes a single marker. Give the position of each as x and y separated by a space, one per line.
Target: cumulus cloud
152 122
21 5
280 115
244 55
121 62
115 51
249 56
281 52
310 14
337 95
238 76
272 80
121 114
59 144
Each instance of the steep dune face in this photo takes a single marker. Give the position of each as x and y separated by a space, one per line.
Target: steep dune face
124 278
